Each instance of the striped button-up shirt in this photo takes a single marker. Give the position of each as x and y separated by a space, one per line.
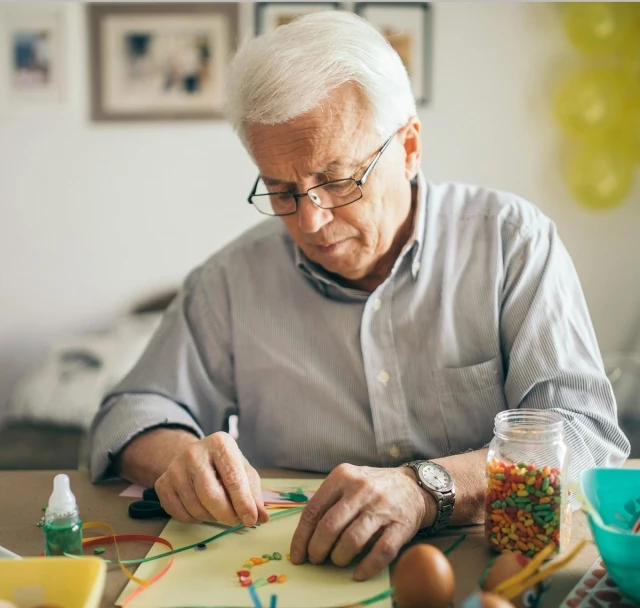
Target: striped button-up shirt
482 311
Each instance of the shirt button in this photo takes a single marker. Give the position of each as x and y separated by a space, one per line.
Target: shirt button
394 452
377 303
416 266
384 377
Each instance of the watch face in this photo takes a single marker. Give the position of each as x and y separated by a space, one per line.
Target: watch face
436 477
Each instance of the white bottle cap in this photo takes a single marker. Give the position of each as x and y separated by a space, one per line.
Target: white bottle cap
62 499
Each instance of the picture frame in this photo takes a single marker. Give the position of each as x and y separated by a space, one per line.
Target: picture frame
160 61
269 15
408 26
33 54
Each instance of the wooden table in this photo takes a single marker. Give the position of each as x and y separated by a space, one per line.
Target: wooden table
23 493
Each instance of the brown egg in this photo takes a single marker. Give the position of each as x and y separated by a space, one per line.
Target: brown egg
504 567
423 578
491 600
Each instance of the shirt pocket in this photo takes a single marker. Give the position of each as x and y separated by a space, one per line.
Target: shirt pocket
470 397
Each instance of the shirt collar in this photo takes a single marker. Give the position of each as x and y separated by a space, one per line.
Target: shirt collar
326 284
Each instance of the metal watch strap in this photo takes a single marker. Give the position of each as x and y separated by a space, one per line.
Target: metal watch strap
445 503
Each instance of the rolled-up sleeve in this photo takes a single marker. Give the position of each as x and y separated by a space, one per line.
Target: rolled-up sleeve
551 351
184 378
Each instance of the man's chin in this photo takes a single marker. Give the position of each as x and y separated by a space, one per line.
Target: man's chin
340 269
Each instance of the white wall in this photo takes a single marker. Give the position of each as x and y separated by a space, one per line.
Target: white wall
95 216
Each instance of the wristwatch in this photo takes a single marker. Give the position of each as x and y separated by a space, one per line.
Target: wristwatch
436 480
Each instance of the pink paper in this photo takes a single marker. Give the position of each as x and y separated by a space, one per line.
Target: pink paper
274 498
133 491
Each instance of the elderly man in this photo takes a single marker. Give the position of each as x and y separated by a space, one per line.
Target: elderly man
379 320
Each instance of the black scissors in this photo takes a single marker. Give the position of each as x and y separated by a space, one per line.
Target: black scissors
147 508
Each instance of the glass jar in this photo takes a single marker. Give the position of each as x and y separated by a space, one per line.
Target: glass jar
527 503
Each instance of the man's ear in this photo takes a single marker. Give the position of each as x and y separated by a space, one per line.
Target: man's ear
410 135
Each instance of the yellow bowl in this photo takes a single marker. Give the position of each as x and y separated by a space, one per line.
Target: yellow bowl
55 581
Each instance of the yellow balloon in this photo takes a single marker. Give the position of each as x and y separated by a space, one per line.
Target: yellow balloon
630 55
590 103
600 177
630 133
598 27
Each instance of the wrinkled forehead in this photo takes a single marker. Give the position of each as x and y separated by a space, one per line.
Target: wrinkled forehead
337 133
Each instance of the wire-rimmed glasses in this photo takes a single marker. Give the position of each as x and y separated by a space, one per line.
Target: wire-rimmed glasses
329 195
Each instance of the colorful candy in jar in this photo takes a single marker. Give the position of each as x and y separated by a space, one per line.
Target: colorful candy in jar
523 506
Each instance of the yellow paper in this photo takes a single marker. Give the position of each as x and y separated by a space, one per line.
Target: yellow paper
208 578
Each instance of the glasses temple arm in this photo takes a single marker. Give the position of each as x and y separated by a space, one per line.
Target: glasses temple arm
253 191
363 179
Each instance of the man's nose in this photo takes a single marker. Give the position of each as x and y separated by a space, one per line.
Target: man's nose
311 217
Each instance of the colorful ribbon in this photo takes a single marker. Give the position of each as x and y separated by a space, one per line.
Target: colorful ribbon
144 584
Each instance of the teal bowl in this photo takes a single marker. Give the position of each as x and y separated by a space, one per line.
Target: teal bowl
614 494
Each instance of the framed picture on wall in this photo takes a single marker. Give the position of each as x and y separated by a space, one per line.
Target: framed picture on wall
160 61
33 58
269 15
408 27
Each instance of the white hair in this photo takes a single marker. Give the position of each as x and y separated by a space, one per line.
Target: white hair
287 72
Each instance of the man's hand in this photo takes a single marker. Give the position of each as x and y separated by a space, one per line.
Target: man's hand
210 480
356 505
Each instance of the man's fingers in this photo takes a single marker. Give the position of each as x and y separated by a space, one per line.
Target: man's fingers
199 489
180 512
331 527
383 552
202 505
214 499
256 491
355 538
326 496
228 462
171 503
193 504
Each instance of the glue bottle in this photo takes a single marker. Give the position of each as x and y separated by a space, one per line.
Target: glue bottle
62 525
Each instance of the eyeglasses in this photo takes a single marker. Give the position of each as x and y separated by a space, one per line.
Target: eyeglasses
330 195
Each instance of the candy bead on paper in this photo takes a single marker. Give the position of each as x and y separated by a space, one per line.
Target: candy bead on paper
244 573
